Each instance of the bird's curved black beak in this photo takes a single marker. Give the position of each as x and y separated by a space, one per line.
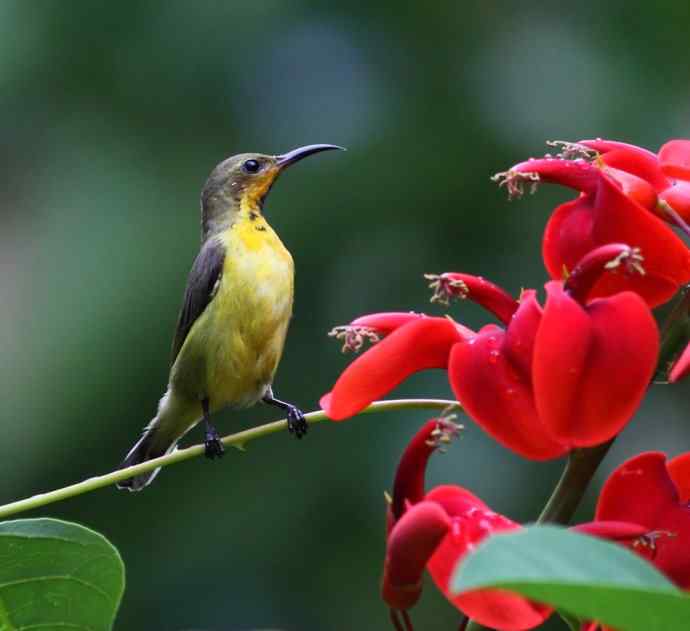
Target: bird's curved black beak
286 159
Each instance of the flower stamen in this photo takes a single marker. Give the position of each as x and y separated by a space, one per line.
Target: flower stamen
444 433
573 150
354 337
630 260
648 541
515 182
446 288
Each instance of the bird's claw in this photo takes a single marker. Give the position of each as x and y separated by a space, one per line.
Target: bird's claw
213 447
297 424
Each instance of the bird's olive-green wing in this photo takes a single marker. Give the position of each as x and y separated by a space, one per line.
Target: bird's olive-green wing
201 285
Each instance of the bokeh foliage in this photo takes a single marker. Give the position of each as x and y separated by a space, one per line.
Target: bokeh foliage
111 117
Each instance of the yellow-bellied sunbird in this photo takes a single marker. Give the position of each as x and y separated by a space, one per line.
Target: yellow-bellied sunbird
235 314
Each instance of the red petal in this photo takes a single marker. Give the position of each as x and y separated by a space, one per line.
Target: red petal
636 160
455 500
490 377
677 197
492 297
568 236
638 491
577 174
592 365
472 523
681 368
674 157
418 345
634 188
642 491
612 530
386 322
411 543
609 217
666 257
597 263
520 335
679 470
409 477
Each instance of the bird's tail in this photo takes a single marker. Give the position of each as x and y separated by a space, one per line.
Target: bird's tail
175 417
151 445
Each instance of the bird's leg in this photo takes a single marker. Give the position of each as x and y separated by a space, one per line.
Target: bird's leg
297 424
212 445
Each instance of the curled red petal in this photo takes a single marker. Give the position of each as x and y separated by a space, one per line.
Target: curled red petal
485 293
681 367
577 174
666 257
679 470
642 491
418 345
592 365
604 146
386 322
610 217
622 531
490 377
674 158
409 476
604 259
631 158
410 545
472 522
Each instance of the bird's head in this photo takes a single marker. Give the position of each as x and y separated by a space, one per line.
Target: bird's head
242 182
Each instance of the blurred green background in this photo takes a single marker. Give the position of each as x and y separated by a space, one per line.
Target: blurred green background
111 117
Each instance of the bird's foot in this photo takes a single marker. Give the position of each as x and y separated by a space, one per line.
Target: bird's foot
213 447
297 424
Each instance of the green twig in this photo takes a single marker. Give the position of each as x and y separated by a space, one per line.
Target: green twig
579 470
237 440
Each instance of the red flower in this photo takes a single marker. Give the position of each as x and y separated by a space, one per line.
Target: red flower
668 173
492 378
648 491
420 344
437 531
643 505
622 193
567 376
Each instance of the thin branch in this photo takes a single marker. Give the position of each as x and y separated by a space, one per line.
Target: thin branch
238 440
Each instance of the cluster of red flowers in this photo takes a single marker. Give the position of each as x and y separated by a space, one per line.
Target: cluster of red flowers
643 504
565 375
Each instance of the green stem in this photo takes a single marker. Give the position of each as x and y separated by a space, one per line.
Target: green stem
473 625
675 333
237 440
578 473
579 470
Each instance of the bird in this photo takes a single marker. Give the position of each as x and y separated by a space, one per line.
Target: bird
235 312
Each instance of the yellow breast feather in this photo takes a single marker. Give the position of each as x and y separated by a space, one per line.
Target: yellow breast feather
250 314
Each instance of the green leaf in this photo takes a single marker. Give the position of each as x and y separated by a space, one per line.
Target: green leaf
583 576
57 576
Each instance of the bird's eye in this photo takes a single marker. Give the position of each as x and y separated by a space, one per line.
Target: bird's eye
251 166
